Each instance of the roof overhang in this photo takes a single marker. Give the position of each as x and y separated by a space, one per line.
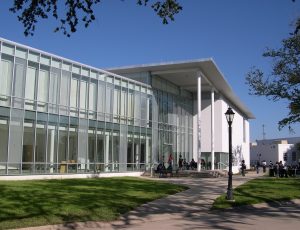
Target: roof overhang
185 74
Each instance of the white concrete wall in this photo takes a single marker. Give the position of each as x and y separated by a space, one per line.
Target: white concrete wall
282 149
220 128
246 144
206 125
269 152
240 133
240 130
225 133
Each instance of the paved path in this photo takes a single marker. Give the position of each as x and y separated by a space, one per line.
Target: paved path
190 210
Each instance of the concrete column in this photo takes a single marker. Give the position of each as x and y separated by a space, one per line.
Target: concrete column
199 121
195 132
212 129
51 151
106 159
137 150
147 160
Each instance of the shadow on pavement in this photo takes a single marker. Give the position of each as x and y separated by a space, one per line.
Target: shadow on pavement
191 210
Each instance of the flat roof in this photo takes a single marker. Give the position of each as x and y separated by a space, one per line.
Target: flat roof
184 74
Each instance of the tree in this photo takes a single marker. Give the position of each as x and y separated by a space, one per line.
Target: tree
283 83
297 30
76 11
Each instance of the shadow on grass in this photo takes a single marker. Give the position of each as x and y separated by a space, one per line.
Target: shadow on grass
268 190
191 208
33 203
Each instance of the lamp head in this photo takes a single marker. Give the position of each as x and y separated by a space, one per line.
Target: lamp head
229 115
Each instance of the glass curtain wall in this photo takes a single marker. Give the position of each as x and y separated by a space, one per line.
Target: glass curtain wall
171 124
92 146
28 143
62 117
41 143
100 147
15 146
3 142
52 145
6 79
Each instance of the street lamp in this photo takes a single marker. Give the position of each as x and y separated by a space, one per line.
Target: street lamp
229 117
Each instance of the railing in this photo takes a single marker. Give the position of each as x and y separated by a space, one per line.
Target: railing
69 167
222 166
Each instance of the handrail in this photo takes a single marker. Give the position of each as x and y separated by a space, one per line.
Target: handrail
221 163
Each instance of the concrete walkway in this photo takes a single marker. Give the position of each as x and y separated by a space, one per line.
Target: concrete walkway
190 210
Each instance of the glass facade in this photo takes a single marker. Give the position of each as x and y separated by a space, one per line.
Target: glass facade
58 116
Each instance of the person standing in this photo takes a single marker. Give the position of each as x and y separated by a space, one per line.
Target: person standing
170 160
243 168
271 169
280 169
277 169
257 167
180 162
264 165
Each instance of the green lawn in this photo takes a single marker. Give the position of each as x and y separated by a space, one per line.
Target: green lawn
261 190
35 203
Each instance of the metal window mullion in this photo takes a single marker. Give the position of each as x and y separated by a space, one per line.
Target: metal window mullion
58 91
22 140
58 103
78 96
10 111
7 147
88 118
78 115
47 122
47 139
96 147
97 88
104 143
119 142
87 140
34 141
87 100
21 160
140 143
68 142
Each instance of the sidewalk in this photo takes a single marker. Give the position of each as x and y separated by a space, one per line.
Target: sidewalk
190 210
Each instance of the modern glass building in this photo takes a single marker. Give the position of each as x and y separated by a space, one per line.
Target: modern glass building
58 116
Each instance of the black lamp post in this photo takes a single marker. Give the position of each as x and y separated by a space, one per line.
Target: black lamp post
229 117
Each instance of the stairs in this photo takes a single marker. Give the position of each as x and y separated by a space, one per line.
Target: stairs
194 174
208 174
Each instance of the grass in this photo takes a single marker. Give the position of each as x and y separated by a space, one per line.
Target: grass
261 190
43 202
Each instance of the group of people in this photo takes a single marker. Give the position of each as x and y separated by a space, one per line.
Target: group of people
279 169
161 168
183 164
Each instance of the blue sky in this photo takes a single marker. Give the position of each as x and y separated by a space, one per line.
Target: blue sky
233 32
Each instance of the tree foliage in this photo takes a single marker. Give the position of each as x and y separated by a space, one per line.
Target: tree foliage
283 83
297 25
78 11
